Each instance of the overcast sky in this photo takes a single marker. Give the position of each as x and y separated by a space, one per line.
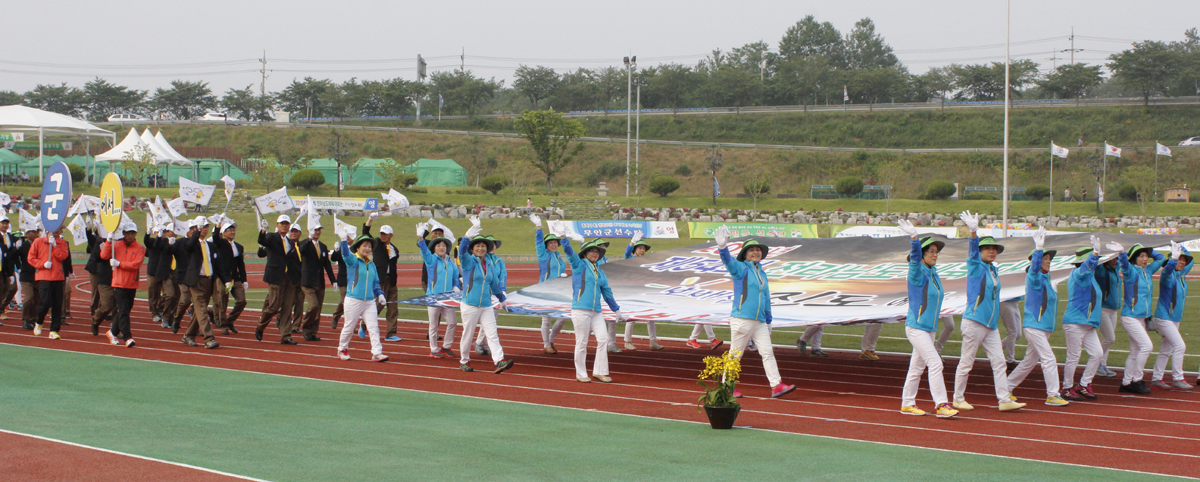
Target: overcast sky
146 44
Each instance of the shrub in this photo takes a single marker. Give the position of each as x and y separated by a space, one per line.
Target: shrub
683 170
78 174
609 169
406 180
493 183
307 179
940 190
849 186
761 187
1127 192
1038 191
663 185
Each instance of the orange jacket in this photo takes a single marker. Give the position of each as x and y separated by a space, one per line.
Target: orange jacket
131 257
40 253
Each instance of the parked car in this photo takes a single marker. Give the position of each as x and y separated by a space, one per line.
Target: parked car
126 118
1191 141
214 116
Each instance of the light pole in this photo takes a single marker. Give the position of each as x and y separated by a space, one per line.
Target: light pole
637 146
1007 21
630 64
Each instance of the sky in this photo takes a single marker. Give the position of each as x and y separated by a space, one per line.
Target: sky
144 44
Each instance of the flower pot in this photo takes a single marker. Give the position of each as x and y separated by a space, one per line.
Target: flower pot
722 417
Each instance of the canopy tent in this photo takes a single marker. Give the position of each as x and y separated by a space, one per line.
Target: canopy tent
179 159
127 146
19 118
161 154
437 172
8 158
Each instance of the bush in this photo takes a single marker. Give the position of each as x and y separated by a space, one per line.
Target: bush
978 196
849 186
940 190
307 179
406 180
663 185
1038 191
493 183
683 170
610 169
78 174
1127 192
761 187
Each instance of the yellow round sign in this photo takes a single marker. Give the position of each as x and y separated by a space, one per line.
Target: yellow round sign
111 206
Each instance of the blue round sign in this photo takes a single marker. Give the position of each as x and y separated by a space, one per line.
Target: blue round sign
56 196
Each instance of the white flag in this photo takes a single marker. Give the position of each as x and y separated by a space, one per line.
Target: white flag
1058 151
180 228
229 185
1112 150
1100 191
277 200
845 94
28 221
176 207
78 229
395 200
195 192
1162 150
5 199
436 225
85 204
314 219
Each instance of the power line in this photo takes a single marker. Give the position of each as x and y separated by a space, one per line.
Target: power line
131 67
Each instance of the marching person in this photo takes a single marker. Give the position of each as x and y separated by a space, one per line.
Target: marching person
1010 317
1039 322
480 283
336 257
980 321
100 274
924 285
750 316
1108 276
362 294
46 255
124 259
812 335
184 294
8 280
68 273
1172 295
636 249
315 266
550 266
154 288
443 277
281 275
165 246
713 342
385 257
501 269
1137 269
1080 321
295 312
230 269
29 286
588 286
199 280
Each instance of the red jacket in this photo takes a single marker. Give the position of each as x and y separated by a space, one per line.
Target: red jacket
40 253
131 257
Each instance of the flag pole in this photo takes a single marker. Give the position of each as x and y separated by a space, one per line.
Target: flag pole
1104 175
1156 182
1051 178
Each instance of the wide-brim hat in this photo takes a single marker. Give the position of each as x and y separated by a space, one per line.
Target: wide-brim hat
1082 254
1047 253
480 239
926 242
750 244
641 243
1137 249
551 237
990 241
495 242
360 240
597 244
433 244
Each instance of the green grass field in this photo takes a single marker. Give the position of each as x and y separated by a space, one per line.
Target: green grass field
282 428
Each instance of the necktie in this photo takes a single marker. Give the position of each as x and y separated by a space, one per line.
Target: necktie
206 269
297 252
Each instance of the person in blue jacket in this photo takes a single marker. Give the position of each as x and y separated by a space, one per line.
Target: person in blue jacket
1137 269
637 248
925 294
480 282
550 266
750 318
362 292
980 322
1080 321
496 264
1172 295
442 277
1041 317
589 286
1108 276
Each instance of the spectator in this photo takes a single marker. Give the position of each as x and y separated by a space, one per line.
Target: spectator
1067 194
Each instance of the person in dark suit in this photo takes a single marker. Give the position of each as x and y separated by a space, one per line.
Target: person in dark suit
385 256
240 282
104 299
29 287
315 266
8 280
199 280
153 282
336 257
227 262
281 278
179 252
164 245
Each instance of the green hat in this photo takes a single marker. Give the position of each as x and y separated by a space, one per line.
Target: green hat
1048 253
480 239
495 243
365 238
1082 254
990 241
597 244
641 242
433 244
551 237
926 242
1135 250
750 244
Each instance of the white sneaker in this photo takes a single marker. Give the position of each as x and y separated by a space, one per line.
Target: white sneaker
630 347
112 339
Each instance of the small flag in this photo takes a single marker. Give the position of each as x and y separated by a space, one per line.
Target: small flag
194 192
395 200
1059 151
5 199
1100 191
277 200
28 221
78 229
176 207
314 219
229 185
845 94
716 186
433 224
441 101
1110 150
1162 150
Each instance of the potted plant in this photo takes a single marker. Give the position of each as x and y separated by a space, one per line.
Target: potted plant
718 401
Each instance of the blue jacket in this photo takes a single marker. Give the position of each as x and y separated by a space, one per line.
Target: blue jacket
588 283
480 280
550 264
1172 290
629 251
362 280
1041 297
924 292
442 271
1109 280
495 263
751 290
983 289
1138 286
1084 295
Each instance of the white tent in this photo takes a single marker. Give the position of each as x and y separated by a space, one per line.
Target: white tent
161 154
179 159
127 145
19 118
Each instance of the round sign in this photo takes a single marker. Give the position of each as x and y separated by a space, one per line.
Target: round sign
111 202
56 196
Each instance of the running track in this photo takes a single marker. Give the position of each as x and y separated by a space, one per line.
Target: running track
840 396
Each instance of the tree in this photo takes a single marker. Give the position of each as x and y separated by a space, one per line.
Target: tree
462 91
578 90
758 184
184 99
891 172
811 38
986 82
1038 192
306 179
1072 81
849 186
137 163
714 159
940 190
670 86
102 99
800 80
392 173
536 83
1142 179
550 135
731 87
663 185
866 49
243 104
941 81
1148 68
494 183
295 98
8 97
342 153
61 99
269 174
876 84
611 81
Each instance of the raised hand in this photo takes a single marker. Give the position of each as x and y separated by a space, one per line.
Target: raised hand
722 236
1039 238
907 227
1115 246
422 228
1095 244
536 220
1176 250
636 237
576 237
971 220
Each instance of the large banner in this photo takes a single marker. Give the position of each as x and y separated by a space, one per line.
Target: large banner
812 281
705 230
843 231
341 203
623 229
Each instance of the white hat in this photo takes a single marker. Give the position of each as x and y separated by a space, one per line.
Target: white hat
128 226
386 230
283 218
228 224
201 221
315 225
3 218
297 227
191 223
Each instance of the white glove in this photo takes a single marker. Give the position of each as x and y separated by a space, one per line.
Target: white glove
47 265
262 225
1176 250
536 220
422 228
1039 239
245 285
1096 245
1115 246
503 306
336 288
457 289
620 316
564 275
114 263
722 236
51 240
971 220
381 300
907 227
576 237
474 221
373 215
171 240
473 231
636 237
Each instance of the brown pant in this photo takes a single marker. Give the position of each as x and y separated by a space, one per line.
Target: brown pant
154 294
31 295
315 298
199 295
238 291
185 300
341 307
220 300
393 311
66 308
170 296
279 302
7 291
104 300
297 313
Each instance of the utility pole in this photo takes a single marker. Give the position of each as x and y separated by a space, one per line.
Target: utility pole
1072 49
1054 60
262 88
463 59
630 64
637 147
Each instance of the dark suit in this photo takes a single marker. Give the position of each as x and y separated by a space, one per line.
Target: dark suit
237 255
282 275
336 257
153 282
166 275
8 264
104 299
180 254
199 279
385 257
314 268
30 289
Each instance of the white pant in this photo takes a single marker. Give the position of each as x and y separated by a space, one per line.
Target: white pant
812 336
741 331
550 329
650 329
1139 349
1108 331
436 314
1080 337
1038 351
945 332
486 318
365 310
1172 347
974 335
584 323
871 336
923 356
707 331
1010 317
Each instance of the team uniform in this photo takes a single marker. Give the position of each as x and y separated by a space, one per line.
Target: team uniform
589 286
1041 316
979 325
480 283
750 317
443 277
46 255
100 274
919 327
1138 289
1080 321
1172 296
1109 279
550 266
362 291
124 259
